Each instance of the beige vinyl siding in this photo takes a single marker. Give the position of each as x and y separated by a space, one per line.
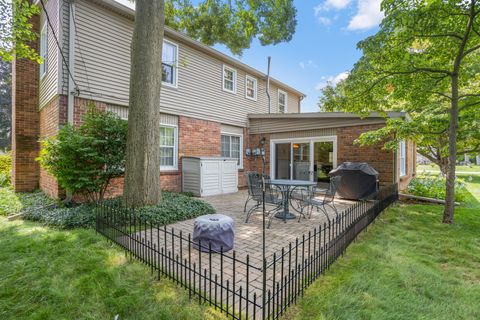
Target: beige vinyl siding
305 134
64 9
231 129
122 112
48 83
103 73
289 125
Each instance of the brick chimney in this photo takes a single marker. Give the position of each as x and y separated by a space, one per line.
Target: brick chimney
25 119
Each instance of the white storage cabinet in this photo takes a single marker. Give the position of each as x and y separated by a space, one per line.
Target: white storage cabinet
209 176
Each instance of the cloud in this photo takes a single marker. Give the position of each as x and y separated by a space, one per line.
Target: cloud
308 64
368 15
332 80
327 6
331 4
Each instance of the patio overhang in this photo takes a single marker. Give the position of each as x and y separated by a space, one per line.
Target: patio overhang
289 122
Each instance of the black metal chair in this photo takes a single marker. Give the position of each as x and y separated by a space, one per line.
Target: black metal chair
309 201
255 182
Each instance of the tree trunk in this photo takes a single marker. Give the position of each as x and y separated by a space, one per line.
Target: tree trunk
452 154
142 171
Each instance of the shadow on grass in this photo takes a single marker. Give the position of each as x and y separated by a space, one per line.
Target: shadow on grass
408 265
53 274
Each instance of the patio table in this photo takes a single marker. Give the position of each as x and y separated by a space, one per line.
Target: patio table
286 187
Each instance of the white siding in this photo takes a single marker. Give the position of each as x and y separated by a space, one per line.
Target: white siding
48 84
102 72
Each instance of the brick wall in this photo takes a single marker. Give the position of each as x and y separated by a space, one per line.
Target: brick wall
25 126
348 150
52 116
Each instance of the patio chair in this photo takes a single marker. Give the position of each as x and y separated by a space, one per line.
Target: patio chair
309 201
255 193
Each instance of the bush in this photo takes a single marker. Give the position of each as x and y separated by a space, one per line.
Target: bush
434 187
5 169
85 159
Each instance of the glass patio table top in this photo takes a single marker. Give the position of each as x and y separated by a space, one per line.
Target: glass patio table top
286 186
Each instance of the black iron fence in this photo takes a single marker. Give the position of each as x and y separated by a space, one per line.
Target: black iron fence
241 286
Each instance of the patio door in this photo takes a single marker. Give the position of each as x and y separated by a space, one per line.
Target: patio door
309 159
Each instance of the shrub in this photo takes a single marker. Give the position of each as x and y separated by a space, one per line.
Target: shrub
5 169
85 159
434 187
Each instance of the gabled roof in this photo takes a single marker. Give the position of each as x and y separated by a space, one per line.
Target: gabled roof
170 33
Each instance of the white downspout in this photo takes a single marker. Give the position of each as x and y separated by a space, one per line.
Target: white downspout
267 89
71 63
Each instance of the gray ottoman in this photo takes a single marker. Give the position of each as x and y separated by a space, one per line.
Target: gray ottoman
215 229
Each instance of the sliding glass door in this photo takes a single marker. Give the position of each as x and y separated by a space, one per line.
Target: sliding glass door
303 159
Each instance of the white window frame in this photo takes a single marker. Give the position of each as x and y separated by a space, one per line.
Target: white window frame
402 152
175 67
230 134
311 141
255 88
225 67
286 101
44 50
175 148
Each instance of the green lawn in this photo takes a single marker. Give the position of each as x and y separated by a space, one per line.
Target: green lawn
434 167
407 266
53 274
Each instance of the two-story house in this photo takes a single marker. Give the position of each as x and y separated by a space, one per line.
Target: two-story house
211 104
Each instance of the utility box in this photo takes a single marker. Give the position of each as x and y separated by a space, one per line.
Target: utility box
209 176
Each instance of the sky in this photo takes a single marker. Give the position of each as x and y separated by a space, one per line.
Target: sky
323 48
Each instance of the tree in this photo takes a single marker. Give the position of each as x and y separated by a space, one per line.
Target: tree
84 160
16 32
5 105
234 24
425 60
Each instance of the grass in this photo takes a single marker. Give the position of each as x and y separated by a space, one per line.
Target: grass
435 168
407 266
75 274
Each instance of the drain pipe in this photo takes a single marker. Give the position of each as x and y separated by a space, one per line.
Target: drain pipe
71 90
267 89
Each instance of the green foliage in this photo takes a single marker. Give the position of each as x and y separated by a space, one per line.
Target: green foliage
5 105
408 65
9 202
233 24
85 159
433 186
16 33
5 169
174 207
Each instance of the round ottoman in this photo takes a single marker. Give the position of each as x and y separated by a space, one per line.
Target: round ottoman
215 229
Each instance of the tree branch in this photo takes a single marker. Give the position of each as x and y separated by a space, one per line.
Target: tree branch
467 52
468 105
432 70
469 95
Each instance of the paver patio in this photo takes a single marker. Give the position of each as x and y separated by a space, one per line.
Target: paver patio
248 245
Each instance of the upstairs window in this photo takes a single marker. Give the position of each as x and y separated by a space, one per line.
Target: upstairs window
251 88
282 101
402 150
232 147
44 50
229 79
168 147
169 63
